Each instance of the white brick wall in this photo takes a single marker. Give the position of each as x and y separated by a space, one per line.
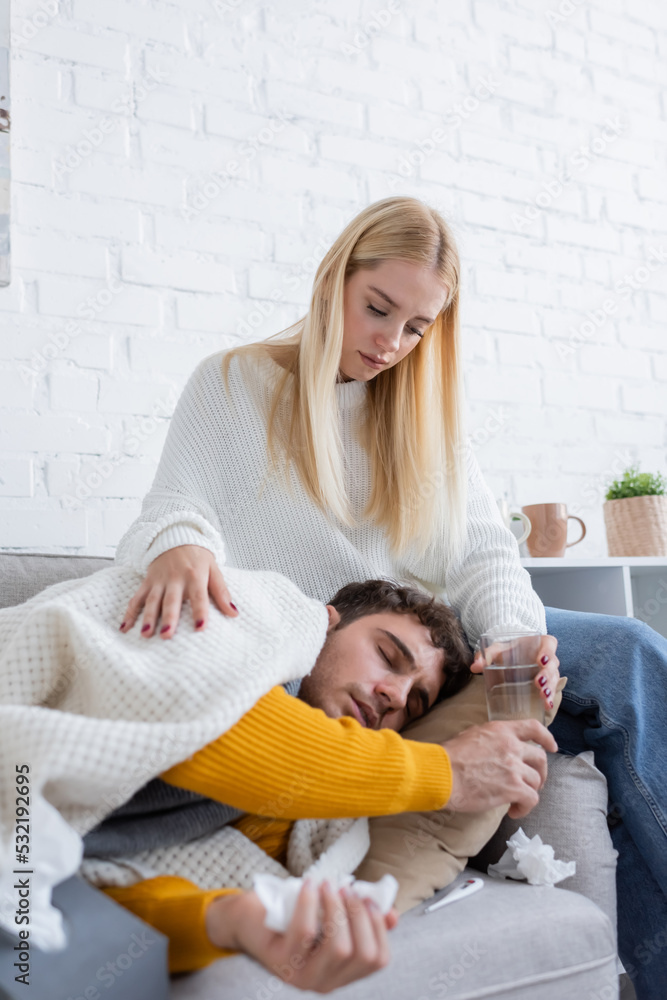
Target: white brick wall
178 168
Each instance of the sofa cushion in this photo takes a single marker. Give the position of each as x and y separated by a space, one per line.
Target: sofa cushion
571 816
508 942
23 576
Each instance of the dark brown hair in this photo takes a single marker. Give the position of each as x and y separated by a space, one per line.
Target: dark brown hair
356 600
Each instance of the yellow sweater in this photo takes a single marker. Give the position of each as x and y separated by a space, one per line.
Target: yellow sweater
285 761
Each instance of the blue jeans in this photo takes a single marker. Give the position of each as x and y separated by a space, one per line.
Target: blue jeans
615 703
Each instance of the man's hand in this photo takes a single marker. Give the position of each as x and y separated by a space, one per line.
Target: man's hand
330 942
495 763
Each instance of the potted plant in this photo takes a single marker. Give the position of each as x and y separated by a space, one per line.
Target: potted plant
635 514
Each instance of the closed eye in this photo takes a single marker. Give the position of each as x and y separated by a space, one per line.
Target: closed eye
384 656
378 312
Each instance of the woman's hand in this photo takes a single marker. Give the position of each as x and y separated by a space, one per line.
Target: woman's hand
546 679
348 943
186 572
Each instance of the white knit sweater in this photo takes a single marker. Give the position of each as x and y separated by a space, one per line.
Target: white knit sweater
214 461
88 715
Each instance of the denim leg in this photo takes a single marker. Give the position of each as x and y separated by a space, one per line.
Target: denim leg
642 919
615 703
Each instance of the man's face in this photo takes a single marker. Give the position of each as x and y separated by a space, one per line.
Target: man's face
382 669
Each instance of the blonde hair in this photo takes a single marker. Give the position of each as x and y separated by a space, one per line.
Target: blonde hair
413 427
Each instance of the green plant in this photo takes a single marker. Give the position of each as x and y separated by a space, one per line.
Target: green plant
634 483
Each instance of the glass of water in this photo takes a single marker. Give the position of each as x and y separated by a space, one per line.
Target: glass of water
509 675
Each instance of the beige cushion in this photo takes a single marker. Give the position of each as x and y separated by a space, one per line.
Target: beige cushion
426 851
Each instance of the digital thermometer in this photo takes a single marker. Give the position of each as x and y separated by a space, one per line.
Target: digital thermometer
461 892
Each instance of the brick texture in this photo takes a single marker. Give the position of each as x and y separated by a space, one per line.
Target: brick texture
178 169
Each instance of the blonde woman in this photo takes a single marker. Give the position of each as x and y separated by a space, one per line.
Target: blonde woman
336 451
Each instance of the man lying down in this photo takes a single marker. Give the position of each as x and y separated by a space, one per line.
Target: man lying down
167 774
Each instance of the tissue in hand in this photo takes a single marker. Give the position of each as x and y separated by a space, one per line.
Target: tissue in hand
532 860
279 895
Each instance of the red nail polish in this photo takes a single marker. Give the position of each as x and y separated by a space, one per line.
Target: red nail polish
544 659
199 623
551 704
145 628
541 680
165 628
233 606
547 692
123 626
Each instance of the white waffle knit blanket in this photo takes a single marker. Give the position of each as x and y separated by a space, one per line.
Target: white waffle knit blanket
89 715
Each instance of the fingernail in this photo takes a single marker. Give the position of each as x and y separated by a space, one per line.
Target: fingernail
541 680
165 628
371 904
544 659
145 628
123 626
233 606
547 692
199 623
551 704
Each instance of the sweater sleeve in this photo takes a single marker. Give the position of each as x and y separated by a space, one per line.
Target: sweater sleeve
487 586
177 908
286 759
180 508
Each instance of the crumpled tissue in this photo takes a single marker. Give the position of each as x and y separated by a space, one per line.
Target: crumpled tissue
532 860
279 895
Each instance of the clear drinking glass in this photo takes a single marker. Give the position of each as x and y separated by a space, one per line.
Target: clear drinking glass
509 674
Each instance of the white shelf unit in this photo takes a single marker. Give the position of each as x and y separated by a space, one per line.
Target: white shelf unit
635 586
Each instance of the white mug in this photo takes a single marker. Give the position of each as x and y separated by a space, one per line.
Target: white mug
508 516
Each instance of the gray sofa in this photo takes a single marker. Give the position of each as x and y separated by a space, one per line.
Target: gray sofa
509 942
